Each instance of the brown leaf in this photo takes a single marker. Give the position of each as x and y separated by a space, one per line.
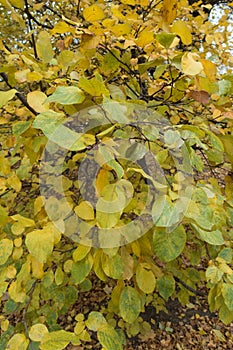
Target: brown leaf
200 96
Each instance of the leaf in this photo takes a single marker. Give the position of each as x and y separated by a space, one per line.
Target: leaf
94 86
81 269
213 274
17 3
182 29
169 245
116 111
44 47
109 338
17 342
36 100
165 39
95 321
211 237
200 96
6 96
190 64
227 292
40 244
169 10
67 95
93 13
166 286
85 211
145 278
57 340
6 249
145 38
20 127
81 252
37 331
210 70
130 304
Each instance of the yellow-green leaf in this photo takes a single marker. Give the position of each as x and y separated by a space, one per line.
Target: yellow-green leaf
17 3
44 47
95 321
57 340
6 96
37 332
40 244
145 278
81 252
130 304
17 342
6 248
67 95
85 211
109 338
94 86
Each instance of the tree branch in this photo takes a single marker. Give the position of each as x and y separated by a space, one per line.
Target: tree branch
18 94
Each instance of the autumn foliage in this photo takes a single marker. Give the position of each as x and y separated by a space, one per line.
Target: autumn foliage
115 164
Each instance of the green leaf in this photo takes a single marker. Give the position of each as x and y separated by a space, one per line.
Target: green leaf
20 127
57 340
211 237
6 248
169 245
95 321
109 338
166 286
130 304
165 39
227 292
81 269
115 267
44 47
6 96
40 244
145 278
66 95
18 342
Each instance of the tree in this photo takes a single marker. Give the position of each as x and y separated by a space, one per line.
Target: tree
138 95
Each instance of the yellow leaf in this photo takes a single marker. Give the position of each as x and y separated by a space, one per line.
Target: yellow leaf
81 252
21 75
17 3
145 38
17 293
34 76
121 29
209 69
40 244
36 100
93 13
6 248
182 29
18 342
94 86
37 268
169 10
37 331
190 64
85 211
14 182
6 96
102 180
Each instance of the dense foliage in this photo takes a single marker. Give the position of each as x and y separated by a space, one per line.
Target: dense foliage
115 162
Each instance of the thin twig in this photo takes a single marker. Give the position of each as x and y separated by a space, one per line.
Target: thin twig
196 292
